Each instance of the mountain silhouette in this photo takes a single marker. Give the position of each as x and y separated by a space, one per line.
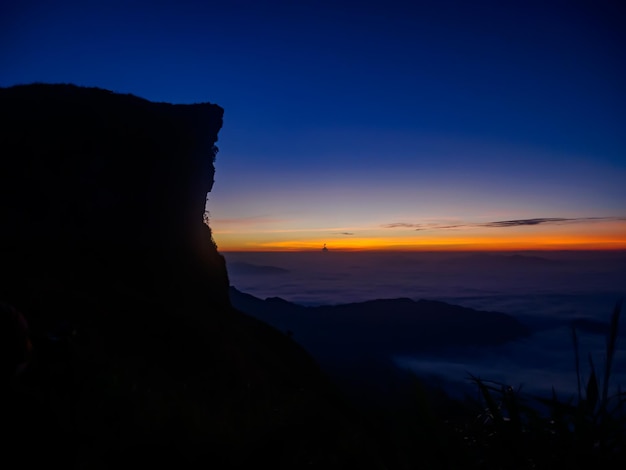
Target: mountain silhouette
515 261
242 268
383 326
137 356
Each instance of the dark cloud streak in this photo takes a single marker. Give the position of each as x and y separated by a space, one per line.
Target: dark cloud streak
401 225
505 223
517 223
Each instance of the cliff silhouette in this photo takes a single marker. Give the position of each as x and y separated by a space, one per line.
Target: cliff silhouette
128 352
108 191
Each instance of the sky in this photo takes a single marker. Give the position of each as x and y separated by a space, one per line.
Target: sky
423 125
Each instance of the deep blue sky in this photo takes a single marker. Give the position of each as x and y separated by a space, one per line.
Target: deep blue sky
343 117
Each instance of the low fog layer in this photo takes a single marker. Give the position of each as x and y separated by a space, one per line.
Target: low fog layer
544 290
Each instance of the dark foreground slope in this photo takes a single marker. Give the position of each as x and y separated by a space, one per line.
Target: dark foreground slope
135 355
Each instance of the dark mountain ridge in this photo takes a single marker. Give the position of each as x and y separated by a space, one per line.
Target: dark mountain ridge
512 261
239 268
383 326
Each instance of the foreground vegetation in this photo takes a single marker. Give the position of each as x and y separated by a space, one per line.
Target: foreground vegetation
506 428
587 430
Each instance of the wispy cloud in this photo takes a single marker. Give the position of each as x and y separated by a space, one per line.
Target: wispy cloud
343 233
401 225
505 223
246 221
540 221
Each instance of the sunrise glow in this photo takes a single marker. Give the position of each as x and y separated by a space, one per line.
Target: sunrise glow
583 236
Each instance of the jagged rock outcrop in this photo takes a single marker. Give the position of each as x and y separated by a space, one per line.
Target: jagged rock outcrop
137 357
103 189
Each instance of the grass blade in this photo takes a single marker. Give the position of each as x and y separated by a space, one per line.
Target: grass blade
577 359
610 353
492 405
593 392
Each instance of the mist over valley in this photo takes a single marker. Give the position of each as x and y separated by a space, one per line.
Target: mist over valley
545 292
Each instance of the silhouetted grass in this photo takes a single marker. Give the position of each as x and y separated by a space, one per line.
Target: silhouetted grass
517 430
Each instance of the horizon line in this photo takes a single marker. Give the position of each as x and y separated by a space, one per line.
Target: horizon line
413 250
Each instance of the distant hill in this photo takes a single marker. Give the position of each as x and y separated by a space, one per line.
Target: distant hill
504 261
243 268
384 326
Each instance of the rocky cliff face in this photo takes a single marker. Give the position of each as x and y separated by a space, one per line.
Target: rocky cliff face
102 190
119 347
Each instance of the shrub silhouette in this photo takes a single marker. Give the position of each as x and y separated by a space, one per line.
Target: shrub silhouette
524 431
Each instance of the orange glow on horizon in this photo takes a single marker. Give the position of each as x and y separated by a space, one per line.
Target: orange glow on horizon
545 243
592 236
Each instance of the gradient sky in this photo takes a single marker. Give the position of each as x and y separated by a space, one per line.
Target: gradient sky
386 124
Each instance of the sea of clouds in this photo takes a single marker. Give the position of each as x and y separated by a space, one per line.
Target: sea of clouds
545 290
